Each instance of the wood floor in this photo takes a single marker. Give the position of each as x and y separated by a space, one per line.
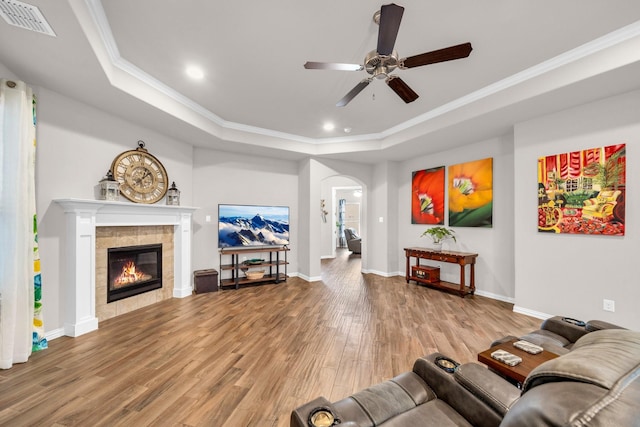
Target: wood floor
248 357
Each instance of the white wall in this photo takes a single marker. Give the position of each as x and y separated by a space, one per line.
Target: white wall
494 267
6 73
76 145
228 178
572 274
383 236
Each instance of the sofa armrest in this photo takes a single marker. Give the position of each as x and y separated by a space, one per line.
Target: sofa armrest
454 394
564 327
598 325
504 340
492 389
300 415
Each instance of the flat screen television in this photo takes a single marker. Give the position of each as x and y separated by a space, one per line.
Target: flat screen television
252 225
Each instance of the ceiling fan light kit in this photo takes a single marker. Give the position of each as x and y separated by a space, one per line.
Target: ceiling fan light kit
382 61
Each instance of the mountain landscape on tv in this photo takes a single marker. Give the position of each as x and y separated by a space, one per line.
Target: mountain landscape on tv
257 230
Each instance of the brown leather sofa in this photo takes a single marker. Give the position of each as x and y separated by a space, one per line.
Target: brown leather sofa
596 384
558 334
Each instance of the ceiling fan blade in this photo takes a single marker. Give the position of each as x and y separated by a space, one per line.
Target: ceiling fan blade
310 65
447 54
402 89
353 92
390 17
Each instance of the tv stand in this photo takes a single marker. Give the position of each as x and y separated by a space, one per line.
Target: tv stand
275 267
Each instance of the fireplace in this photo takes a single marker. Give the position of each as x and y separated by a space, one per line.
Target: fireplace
133 270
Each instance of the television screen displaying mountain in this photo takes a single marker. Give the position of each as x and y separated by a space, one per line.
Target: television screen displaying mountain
252 225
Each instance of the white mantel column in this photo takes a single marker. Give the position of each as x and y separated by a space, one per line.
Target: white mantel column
79 296
182 251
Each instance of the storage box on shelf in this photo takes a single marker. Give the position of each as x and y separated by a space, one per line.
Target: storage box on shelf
274 268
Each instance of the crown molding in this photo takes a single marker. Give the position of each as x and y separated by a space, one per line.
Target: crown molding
107 40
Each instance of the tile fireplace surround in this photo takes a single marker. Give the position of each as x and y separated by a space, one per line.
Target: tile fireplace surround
82 218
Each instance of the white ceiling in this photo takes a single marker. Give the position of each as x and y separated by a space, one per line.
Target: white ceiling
128 58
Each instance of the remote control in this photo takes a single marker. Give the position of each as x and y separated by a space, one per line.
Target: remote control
506 357
528 347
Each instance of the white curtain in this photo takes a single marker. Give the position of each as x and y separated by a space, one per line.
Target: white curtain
19 262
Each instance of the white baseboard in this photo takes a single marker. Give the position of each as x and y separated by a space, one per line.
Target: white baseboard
381 273
532 313
309 279
327 257
52 335
495 296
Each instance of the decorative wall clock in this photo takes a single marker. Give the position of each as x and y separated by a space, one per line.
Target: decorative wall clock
142 177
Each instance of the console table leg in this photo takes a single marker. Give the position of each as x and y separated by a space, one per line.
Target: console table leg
462 292
472 285
407 270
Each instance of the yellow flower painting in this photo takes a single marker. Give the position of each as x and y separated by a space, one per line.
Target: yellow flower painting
471 194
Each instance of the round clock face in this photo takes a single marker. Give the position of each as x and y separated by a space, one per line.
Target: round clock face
142 177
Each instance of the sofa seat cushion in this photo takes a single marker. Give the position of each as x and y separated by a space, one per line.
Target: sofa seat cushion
434 413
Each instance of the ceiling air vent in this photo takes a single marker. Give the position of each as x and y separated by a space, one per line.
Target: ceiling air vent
25 16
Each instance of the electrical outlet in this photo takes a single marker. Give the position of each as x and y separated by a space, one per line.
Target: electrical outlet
608 305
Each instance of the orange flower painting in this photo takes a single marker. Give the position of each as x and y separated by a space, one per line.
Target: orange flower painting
427 196
471 194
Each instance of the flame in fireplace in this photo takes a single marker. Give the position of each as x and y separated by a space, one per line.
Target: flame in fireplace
130 275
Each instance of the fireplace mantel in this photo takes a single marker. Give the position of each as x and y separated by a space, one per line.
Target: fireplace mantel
82 217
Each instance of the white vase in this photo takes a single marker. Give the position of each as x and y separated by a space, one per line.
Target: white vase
437 246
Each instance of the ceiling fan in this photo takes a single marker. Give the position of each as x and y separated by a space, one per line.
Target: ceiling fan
384 59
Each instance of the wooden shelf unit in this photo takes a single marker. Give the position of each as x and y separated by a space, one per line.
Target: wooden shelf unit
427 278
276 268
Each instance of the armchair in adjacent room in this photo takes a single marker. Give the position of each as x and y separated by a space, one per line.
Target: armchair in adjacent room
354 242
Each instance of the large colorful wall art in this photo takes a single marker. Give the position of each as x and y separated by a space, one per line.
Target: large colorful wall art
427 196
583 192
471 194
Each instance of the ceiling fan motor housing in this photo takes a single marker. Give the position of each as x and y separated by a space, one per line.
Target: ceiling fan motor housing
380 66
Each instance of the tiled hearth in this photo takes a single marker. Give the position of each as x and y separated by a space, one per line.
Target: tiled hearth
92 225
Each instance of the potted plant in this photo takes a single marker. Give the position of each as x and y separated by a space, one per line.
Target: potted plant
439 235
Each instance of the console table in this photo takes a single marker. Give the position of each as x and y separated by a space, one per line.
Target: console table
460 258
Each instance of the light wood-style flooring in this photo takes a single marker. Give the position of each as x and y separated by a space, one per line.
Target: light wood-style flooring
248 357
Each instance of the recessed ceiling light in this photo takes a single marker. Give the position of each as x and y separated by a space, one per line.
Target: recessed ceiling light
329 126
195 72
347 130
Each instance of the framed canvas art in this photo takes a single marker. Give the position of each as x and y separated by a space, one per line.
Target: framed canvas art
583 192
471 194
427 196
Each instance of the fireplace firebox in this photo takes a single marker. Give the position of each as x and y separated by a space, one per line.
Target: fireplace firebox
133 270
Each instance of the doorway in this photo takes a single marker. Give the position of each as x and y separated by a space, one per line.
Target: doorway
344 203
